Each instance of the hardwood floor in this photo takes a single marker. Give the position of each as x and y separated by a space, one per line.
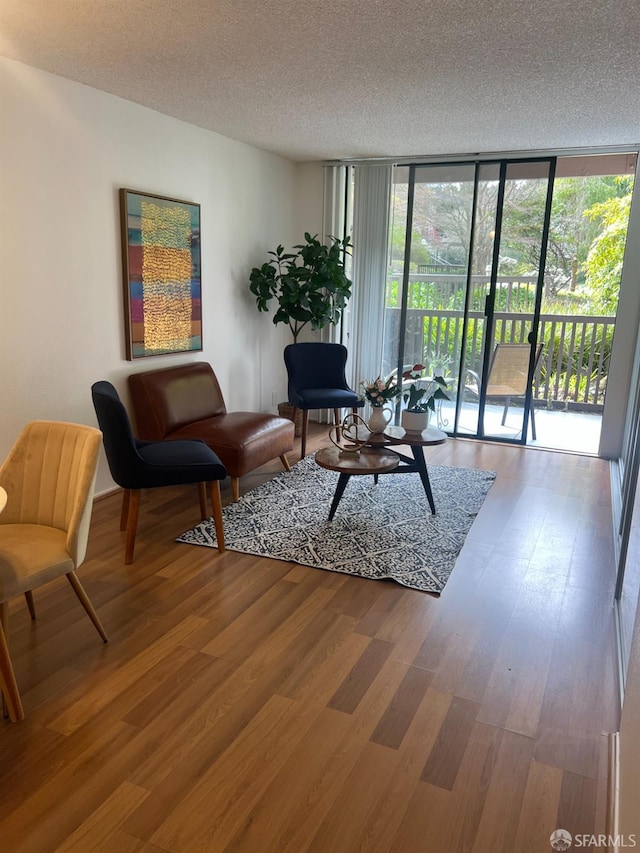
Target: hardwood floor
251 705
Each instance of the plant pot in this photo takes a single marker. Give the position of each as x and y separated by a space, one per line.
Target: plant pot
285 410
415 421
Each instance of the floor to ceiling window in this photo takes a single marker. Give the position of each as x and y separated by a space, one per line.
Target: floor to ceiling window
525 253
503 278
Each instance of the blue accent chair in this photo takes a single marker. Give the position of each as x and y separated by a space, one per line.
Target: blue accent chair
136 464
317 380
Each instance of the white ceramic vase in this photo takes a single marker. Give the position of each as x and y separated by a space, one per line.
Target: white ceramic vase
415 421
379 418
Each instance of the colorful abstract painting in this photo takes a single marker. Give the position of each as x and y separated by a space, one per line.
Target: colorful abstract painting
162 283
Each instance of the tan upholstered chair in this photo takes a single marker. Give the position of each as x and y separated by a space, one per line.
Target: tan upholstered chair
49 477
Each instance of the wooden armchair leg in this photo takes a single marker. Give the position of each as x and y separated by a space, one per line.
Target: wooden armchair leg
77 587
235 489
132 525
202 495
214 487
8 684
337 421
285 462
305 424
124 512
31 604
4 624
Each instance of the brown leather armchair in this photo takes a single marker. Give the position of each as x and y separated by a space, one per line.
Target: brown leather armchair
186 402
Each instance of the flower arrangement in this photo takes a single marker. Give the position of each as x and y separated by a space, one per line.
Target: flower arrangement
380 391
421 399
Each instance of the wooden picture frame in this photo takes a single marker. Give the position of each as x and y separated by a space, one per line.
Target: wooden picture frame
161 274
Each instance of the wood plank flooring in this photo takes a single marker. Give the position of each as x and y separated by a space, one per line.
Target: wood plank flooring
256 706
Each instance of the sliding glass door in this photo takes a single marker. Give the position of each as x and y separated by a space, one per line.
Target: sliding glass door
512 307
428 281
457 233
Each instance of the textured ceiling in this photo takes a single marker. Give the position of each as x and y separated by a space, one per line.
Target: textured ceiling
329 79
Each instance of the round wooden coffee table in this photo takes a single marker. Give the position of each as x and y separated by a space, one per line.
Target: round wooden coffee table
417 441
370 460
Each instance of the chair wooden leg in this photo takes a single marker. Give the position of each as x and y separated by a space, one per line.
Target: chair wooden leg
4 623
8 684
202 495
132 525
294 418
214 488
77 587
124 512
305 424
337 421
31 604
285 462
235 489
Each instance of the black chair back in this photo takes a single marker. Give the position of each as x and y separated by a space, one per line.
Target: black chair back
315 365
124 460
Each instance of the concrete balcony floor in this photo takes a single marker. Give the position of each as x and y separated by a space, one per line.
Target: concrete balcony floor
577 432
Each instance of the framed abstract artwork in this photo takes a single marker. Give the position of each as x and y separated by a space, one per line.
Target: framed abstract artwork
162 278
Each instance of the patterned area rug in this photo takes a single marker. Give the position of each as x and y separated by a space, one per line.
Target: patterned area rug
379 531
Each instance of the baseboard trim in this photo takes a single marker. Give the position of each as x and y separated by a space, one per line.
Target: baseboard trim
106 492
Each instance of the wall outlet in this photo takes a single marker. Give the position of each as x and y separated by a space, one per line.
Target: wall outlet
274 398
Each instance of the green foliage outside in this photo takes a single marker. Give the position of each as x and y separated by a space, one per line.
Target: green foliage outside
567 374
582 274
603 266
419 252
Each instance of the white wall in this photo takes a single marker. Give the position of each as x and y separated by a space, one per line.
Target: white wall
624 339
65 150
308 196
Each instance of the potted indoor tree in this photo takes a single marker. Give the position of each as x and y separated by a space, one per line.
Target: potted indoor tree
309 287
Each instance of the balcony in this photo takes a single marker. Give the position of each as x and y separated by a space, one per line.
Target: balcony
575 431
570 378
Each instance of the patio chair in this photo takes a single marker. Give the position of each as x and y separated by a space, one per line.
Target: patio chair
508 372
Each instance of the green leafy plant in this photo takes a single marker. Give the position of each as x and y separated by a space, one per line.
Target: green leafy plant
603 266
420 398
310 286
